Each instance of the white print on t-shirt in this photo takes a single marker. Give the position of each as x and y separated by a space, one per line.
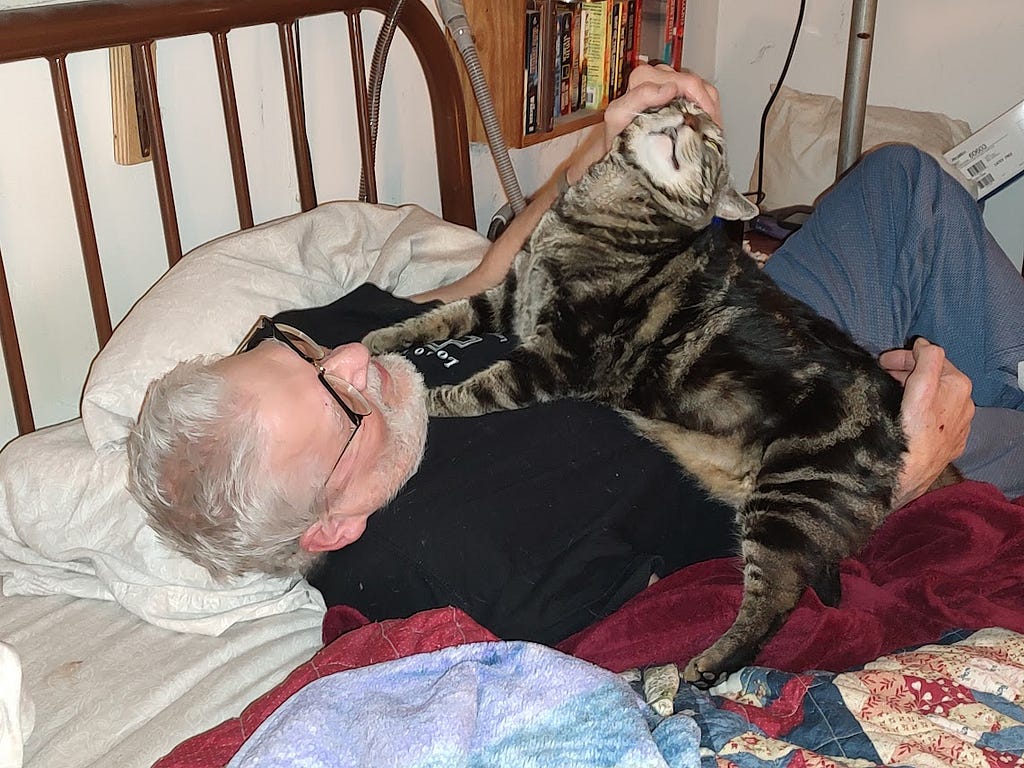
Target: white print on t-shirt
442 349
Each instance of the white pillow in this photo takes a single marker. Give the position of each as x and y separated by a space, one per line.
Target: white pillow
802 143
67 524
206 302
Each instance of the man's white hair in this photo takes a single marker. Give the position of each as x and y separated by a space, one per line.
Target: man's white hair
198 465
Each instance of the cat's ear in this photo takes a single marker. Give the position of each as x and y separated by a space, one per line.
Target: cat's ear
733 206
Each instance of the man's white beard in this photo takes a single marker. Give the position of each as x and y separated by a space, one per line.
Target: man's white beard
406 419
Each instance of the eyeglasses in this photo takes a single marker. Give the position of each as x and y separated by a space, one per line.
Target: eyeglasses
351 400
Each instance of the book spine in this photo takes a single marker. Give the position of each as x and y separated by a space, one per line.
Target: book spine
546 86
629 44
565 61
531 79
613 50
556 71
670 25
576 86
677 34
595 32
638 36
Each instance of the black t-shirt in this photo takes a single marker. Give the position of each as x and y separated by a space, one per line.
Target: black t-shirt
535 522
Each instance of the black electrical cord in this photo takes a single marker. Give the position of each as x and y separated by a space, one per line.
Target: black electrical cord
759 192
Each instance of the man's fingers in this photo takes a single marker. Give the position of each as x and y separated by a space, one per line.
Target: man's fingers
682 83
894 360
643 96
927 354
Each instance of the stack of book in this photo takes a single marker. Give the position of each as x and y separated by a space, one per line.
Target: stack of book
578 54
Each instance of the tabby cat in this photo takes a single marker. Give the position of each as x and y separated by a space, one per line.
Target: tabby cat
627 295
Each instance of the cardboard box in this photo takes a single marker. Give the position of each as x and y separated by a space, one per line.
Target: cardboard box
994 154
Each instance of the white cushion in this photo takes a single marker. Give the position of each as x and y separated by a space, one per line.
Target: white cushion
802 143
68 526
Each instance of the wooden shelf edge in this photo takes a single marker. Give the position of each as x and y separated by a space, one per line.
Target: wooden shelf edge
564 125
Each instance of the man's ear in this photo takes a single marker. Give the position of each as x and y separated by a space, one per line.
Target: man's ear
334 532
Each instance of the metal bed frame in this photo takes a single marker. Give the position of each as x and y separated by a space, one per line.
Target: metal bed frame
53 32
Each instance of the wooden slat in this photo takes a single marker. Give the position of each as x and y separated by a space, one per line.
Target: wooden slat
297 116
131 131
243 198
13 361
161 170
368 190
80 198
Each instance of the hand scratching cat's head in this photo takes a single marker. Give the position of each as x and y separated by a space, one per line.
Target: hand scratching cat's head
681 152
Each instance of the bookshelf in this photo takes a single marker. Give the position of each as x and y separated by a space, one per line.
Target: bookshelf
501 32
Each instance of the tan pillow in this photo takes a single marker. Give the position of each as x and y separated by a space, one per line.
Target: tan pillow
802 142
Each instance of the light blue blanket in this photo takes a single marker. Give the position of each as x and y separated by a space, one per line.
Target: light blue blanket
501 704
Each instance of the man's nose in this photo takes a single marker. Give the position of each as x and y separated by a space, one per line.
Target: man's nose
349 362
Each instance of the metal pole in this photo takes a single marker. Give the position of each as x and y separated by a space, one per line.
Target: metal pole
855 89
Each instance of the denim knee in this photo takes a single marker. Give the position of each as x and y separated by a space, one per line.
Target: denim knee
896 167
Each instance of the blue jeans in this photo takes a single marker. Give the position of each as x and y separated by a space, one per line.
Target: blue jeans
898 249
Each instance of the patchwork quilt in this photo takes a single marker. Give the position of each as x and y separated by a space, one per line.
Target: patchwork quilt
957 702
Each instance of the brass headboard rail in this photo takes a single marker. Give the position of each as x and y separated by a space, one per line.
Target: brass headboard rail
52 32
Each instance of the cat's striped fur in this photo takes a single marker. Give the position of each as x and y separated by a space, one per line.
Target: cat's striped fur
626 296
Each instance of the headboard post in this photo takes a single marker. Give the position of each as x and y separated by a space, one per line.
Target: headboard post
161 170
297 115
232 127
366 149
80 196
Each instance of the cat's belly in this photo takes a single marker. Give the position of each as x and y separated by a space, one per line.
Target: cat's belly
725 466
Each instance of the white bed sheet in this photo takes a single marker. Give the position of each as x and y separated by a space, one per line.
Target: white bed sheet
111 690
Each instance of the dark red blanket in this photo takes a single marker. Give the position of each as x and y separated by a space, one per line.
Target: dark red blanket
952 559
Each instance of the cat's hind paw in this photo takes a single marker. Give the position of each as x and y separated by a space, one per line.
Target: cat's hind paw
701 676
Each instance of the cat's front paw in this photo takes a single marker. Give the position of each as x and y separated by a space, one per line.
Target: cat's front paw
393 338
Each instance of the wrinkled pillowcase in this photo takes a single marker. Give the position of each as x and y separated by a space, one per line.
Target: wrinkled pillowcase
802 143
68 526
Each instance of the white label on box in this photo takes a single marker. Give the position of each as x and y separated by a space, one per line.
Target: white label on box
994 154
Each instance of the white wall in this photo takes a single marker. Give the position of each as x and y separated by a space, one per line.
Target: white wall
950 56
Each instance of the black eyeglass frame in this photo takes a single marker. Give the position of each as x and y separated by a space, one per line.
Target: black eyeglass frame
280 332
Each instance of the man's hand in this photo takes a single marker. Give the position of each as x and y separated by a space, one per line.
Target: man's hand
648 87
936 413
